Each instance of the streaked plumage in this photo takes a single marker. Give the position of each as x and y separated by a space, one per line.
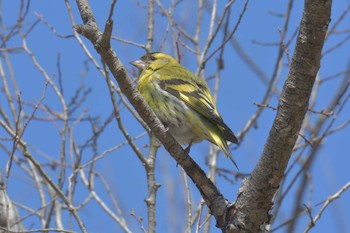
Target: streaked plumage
182 101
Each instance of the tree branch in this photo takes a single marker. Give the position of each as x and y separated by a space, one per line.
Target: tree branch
256 194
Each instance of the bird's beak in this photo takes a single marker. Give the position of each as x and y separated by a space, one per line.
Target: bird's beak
139 64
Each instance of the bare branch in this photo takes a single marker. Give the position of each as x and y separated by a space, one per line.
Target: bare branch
257 192
325 205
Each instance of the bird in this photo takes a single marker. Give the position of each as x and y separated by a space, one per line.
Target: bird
182 102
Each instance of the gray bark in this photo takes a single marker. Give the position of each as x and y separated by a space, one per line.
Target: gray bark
9 217
256 194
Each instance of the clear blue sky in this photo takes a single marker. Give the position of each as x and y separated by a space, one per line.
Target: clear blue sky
239 89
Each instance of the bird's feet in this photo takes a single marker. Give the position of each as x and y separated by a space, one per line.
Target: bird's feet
188 148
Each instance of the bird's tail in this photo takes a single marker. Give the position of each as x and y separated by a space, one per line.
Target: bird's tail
222 144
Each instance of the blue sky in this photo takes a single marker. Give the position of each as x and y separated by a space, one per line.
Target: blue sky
239 89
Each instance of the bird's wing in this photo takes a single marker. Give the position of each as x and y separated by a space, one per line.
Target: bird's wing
195 93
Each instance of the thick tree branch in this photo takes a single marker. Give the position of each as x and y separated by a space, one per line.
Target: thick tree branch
212 196
9 217
256 194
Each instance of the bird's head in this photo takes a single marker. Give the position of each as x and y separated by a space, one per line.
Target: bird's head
154 61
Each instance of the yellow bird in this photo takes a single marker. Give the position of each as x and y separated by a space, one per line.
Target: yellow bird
182 101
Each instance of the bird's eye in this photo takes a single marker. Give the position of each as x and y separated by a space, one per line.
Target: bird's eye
152 58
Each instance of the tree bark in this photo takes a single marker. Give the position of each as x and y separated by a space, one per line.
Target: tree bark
255 196
9 217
